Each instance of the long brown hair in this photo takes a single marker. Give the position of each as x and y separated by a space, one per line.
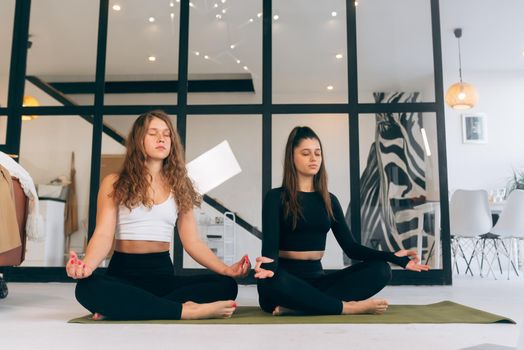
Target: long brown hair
290 178
131 188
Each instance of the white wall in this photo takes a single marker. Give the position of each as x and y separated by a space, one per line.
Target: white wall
488 166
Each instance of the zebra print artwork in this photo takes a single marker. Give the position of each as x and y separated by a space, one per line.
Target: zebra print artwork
394 180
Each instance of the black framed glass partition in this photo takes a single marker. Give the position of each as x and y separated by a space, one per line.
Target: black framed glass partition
142 53
229 219
61 59
399 184
61 141
390 56
322 65
225 52
309 52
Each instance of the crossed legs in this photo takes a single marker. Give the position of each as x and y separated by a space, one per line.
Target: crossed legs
345 291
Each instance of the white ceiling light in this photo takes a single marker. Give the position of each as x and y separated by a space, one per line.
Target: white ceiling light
356 3
251 20
206 57
172 15
259 14
224 11
151 19
191 4
275 17
223 1
338 56
197 53
171 4
232 46
215 5
116 7
218 16
333 14
238 61
245 68
151 58
329 87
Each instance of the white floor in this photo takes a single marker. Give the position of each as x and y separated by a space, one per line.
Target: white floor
34 316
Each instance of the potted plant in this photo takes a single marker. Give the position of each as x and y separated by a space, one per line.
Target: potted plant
516 182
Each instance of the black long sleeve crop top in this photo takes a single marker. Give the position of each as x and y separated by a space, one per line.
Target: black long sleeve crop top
311 230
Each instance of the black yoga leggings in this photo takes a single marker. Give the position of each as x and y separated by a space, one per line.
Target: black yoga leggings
143 286
303 286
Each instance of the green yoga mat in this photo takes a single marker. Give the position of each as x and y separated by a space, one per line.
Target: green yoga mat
443 312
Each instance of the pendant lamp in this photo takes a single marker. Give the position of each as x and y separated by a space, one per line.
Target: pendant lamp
461 95
29 101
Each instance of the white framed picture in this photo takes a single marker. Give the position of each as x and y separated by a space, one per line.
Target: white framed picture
474 128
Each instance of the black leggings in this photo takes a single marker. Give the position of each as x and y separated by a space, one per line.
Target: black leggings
303 286
143 287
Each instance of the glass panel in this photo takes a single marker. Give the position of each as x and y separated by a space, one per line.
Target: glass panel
225 46
65 51
3 129
400 183
333 131
309 51
142 52
7 13
47 144
394 49
241 195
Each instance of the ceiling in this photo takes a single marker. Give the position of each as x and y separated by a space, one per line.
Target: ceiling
394 41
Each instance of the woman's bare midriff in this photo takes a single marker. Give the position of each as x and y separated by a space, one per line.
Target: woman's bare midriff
313 255
140 247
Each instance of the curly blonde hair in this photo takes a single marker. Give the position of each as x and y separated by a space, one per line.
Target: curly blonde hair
131 187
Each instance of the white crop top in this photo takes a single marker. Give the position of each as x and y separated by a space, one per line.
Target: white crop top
147 224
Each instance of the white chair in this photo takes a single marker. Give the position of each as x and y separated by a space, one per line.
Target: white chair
470 217
510 226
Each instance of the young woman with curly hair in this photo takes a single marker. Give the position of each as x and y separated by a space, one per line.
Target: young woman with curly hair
139 207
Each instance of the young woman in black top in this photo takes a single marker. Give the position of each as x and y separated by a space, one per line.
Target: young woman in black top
295 220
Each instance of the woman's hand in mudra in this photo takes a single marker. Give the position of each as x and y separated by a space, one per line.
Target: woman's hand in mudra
76 268
414 263
260 272
239 269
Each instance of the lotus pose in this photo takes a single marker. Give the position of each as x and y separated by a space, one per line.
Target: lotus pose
295 221
139 207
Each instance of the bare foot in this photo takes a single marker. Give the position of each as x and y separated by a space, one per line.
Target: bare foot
369 306
97 317
284 311
218 309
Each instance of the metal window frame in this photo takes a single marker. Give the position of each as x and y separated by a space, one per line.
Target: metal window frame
266 109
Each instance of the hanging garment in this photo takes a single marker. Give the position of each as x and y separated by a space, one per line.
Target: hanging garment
71 209
9 231
34 225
